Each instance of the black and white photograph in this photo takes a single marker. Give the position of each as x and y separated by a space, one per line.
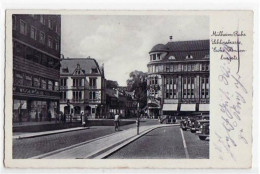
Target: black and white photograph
107 89
110 87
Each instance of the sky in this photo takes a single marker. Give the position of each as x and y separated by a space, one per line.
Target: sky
122 43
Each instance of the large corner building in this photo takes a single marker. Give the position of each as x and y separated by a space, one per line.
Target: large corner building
178 78
36 66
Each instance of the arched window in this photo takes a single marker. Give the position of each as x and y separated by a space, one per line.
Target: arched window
171 58
189 57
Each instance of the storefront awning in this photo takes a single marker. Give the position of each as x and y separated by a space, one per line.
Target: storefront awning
170 107
188 107
204 107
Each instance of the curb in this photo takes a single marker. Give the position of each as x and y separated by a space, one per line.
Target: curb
46 134
126 142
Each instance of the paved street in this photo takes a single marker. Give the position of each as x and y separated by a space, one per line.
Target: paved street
166 142
26 148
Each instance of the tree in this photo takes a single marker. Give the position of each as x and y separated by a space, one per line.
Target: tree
111 84
137 82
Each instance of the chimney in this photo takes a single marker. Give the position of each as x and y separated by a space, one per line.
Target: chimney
170 38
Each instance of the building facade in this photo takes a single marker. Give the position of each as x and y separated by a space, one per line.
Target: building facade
82 85
36 64
120 101
178 78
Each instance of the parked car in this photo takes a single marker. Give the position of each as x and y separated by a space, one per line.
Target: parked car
184 123
203 132
196 125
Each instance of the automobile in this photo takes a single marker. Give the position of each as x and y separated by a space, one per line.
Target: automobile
203 132
196 125
184 123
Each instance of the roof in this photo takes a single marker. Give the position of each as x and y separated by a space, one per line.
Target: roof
179 50
177 46
86 64
111 92
159 47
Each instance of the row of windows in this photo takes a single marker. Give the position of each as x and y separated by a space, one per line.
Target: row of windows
187 87
78 95
155 56
37 35
178 67
35 81
76 82
35 56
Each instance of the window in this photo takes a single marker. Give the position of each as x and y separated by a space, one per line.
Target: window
42 37
50 23
56 86
42 19
188 87
36 82
43 84
23 27
189 57
154 56
57 45
77 82
28 80
171 58
77 95
65 70
63 82
33 32
50 42
204 87
94 70
50 85
93 110
64 95
92 82
92 95
18 79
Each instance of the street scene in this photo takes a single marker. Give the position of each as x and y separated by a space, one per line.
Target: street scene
110 87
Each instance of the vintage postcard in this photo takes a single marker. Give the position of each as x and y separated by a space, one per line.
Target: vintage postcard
128 89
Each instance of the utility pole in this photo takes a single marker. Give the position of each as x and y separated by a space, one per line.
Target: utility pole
138 121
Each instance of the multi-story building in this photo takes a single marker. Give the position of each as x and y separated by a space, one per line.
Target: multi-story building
120 101
178 78
36 65
82 85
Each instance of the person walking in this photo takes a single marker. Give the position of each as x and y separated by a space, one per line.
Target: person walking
116 122
49 115
41 116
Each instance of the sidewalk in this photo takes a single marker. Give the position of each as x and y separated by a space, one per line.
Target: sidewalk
38 134
100 147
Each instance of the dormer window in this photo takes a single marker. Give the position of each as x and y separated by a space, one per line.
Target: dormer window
189 57
65 70
171 58
94 70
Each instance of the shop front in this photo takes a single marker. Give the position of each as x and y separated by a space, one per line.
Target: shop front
27 110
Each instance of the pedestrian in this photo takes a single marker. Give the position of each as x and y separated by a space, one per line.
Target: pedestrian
116 122
41 116
36 116
64 118
20 117
70 118
56 117
81 117
49 115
